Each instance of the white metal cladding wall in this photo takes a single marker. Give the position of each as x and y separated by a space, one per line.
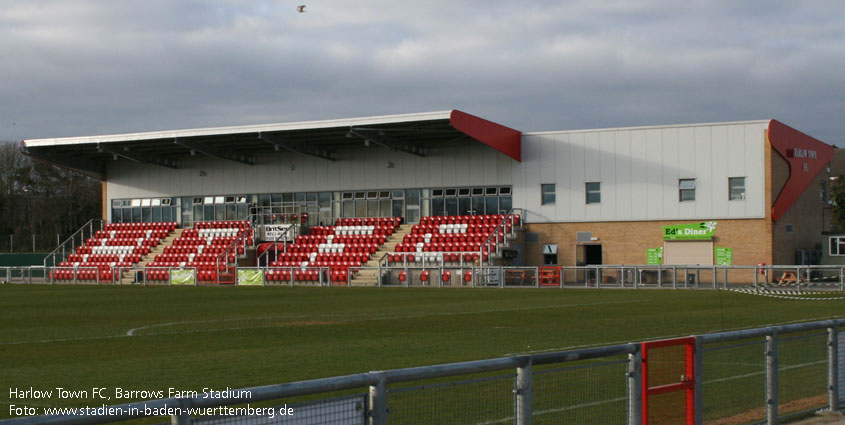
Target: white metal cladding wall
463 165
639 169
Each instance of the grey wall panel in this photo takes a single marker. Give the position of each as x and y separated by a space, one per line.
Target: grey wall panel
622 150
640 168
670 142
639 176
654 190
357 170
608 176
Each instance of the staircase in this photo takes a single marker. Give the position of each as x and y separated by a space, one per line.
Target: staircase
369 277
129 277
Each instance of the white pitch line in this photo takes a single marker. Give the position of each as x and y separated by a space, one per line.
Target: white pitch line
371 317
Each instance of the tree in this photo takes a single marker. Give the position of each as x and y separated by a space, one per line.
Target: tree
837 196
41 200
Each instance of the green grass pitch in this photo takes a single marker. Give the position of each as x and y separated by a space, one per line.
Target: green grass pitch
190 338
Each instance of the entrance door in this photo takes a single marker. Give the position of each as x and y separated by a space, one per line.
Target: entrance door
592 254
586 255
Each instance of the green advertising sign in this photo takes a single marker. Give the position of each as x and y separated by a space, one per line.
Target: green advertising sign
654 255
183 277
250 277
690 231
724 256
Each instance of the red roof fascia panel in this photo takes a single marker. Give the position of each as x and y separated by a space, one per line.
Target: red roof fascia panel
806 157
504 139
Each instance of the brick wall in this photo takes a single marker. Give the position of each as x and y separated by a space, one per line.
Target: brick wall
626 242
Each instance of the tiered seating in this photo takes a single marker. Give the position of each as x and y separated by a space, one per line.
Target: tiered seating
451 238
342 247
200 247
118 245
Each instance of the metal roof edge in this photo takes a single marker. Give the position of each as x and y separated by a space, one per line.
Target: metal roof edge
210 131
650 127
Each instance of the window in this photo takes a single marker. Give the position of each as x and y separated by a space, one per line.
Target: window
491 191
837 245
736 186
593 192
451 192
463 191
436 192
686 190
788 228
477 191
548 194
505 190
823 191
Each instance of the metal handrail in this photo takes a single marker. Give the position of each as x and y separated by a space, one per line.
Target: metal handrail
275 247
70 240
243 235
495 235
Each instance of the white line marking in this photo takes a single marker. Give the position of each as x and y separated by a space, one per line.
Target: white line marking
367 317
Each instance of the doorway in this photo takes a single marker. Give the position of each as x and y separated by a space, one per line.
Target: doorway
587 255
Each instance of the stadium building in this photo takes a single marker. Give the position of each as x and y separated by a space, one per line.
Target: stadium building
675 194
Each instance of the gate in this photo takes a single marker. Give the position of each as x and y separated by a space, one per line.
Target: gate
668 381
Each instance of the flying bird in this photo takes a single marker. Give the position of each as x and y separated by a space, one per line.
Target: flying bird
300 8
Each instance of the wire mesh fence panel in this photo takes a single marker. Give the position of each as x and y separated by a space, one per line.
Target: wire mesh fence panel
488 400
667 409
344 410
592 393
802 372
734 382
840 350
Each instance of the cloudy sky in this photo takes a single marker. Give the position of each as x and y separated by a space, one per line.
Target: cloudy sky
86 67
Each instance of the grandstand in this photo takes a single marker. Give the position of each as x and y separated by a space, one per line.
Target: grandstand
147 253
341 200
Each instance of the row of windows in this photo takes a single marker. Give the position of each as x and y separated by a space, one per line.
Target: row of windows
321 207
686 191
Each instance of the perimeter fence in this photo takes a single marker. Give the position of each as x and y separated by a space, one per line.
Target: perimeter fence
761 375
434 272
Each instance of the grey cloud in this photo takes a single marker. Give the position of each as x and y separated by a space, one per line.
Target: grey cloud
91 67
